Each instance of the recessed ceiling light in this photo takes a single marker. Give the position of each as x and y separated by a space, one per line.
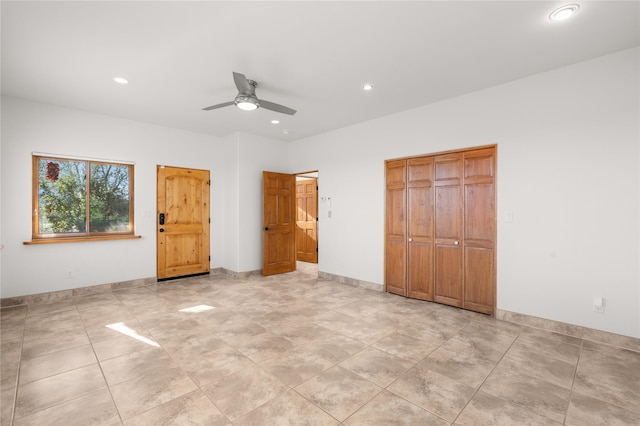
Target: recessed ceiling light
286 132
564 12
367 87
120 80
275 121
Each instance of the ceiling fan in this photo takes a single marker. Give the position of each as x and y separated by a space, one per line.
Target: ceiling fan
247 99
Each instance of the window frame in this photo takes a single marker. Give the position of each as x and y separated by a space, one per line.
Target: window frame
38 237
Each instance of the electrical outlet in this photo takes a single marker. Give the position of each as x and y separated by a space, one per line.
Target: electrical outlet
598 305
69 274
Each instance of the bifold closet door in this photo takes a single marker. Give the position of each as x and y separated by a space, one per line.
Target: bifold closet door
448 229
479 231
420 193
395 228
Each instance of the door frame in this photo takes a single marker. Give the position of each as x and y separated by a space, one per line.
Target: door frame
317 178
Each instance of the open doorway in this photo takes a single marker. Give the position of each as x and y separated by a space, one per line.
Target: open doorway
307 222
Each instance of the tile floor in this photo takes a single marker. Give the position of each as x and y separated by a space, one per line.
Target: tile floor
295 350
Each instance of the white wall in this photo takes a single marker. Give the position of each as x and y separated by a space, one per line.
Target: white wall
29 127
568 169
257 154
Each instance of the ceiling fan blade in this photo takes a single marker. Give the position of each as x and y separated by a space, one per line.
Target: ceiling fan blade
242 83
218 106
276 107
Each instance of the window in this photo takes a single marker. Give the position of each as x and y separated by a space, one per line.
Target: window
81 199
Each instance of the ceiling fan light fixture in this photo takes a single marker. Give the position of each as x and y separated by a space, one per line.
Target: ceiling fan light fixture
247 103
563 13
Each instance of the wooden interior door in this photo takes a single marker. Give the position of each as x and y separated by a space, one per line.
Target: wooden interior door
480 231
279 221
448 229
182 222
420 198
306 220
395 246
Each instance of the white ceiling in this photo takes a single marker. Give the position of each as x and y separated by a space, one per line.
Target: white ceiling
310 56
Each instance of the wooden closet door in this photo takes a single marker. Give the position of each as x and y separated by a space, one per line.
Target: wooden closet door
480 231
395 228
420 193
448 229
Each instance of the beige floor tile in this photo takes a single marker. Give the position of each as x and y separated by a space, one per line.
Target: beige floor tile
10 354
296 366
54 341
44 393
193 408
7 400
463 368
539 396
244 391
366 331
94 408
333 320
213 366
263 347
409 348
335 348
56 363
537 364
119 345
389 409
289 409
134 364
377 366
488 410
433 392
338 391
610 374
45 322
585 410
143 393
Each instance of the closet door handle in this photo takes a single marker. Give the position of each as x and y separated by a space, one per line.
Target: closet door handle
456 242
410 239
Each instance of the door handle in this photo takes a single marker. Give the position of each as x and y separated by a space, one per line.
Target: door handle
410 239
456 242
266 228
161 219
161 229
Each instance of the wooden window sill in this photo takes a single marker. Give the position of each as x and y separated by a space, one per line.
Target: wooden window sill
81 239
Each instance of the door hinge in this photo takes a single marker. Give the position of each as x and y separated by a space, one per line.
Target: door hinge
316 187
209 220
209 182
209 258
317 219
316 249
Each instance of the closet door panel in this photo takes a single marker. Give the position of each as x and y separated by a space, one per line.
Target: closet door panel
479 273
480 231
395 228
420 197
448 275
448 229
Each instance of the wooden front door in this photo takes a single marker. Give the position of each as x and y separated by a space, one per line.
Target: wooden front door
182 222
279 221
306 220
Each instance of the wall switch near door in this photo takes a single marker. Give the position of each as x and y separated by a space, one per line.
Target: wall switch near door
598 304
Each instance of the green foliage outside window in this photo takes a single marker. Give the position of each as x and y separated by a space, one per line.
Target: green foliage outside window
63 207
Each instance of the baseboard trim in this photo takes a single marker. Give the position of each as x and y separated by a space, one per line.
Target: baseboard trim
585 333
54 296
350 281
